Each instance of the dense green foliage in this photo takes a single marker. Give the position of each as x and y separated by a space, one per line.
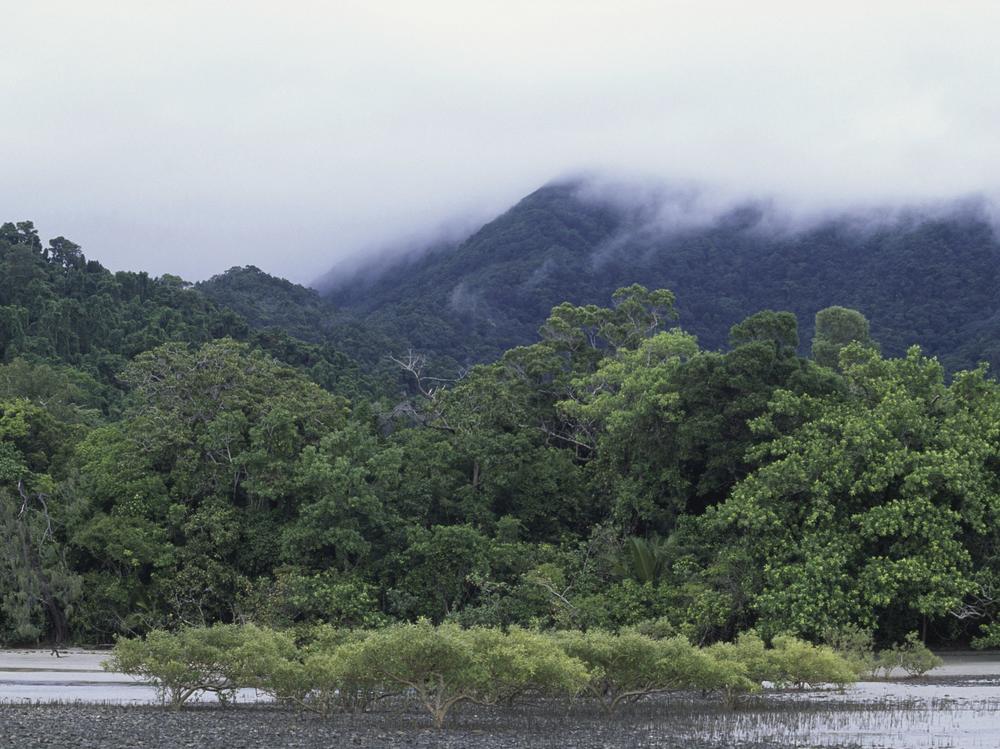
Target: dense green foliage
163 466
920 279
439 667
911 656
58 307
282 311
268 302
184 663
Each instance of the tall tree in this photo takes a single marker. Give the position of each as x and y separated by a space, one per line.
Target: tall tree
836 327
865 499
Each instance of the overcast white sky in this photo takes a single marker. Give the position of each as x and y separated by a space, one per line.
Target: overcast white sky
187 137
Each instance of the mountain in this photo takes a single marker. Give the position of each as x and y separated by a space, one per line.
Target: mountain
266 301
56 306
919 278
152 474
274 306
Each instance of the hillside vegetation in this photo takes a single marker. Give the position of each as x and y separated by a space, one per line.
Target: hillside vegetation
163 463
920 280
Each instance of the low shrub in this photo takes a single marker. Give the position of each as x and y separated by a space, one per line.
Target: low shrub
445 665
628 666
180 664
856 646
328 670
740 667
748 664
911 656
798 663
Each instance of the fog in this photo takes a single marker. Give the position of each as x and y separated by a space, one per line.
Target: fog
187 137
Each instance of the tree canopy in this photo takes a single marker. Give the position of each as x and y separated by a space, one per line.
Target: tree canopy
164 465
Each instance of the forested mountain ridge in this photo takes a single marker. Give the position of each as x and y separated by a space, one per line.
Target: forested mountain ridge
164 464
57 306
266 301
276 307
927 279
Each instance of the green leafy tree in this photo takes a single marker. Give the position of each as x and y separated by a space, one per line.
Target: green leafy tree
627 410
345 516
38 587
911 656
628 666
184 663
836 327
800 663
444 567
864 499
186 494
446 665
328 673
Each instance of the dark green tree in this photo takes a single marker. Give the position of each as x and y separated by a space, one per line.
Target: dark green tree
836 327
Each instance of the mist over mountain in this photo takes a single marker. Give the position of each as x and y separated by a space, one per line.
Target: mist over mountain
922 275
362 270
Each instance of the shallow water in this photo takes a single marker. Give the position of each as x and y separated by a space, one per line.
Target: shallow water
911 723
77 676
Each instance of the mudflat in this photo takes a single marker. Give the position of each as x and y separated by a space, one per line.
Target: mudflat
70 701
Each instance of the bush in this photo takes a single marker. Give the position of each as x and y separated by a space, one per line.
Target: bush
293 597
520 662
659 629
740 667
798 663
274 666
447 665
989 636
323 675
745 665
331 670
628 666
336 669
856 646
912 657
181 664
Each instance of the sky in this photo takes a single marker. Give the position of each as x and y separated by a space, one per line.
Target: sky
187 137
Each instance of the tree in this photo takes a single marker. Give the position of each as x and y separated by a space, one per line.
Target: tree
446 665
185 494
39 588
836 327
911 656
627 410
326 673
181 664
779 329
864 499
627 666
799 663
343 517
668 424
442 567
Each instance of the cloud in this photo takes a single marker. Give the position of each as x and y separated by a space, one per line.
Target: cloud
188 137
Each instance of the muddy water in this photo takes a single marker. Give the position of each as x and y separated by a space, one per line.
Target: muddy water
961 713
76 676
956 706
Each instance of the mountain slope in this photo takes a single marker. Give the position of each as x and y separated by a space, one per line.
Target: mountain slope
265 301
925 280
56 306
